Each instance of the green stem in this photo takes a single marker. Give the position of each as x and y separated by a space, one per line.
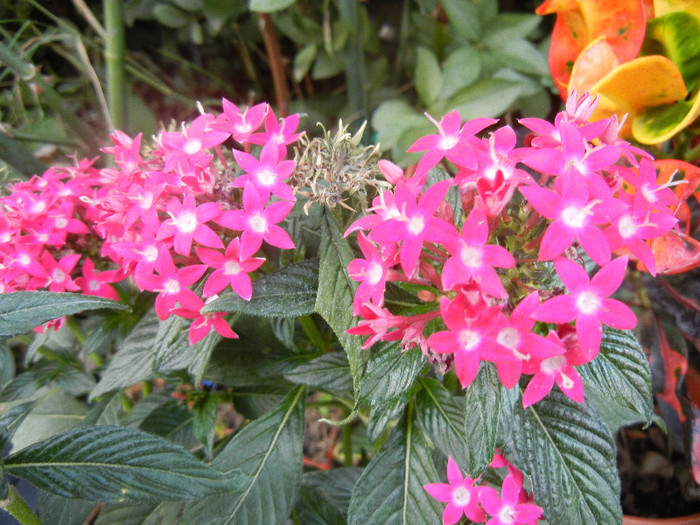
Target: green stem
355 69
19 510
146 389
115 58
74 327
127 404
346 433
311 330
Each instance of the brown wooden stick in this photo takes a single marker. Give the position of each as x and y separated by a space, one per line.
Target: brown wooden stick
274 54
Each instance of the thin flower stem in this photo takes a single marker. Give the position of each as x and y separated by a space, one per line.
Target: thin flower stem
19 510
347 444
311 330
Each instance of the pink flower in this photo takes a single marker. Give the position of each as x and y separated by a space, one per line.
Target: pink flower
267 174
203 323
474 260
507 510
574 216
370 272
94 283
187 222
258 222
231 269
588 302
281 132
460 494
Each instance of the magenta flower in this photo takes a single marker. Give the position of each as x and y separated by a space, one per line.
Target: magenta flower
59 272
574 216
473 259
281 132
370 272
258 222
187 222
94 283
588 302
231 269
416 224
507 510
203 323
240 124
460 494
267 174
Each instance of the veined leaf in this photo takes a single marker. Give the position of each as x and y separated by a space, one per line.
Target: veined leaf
290 292
55 510
23 311
117 464
570 456
330 371
325 495
390 489
428 77
621 377
390 374
336 291
124 514
269 452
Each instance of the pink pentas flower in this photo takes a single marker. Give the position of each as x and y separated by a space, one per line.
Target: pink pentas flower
370 272
451 142
97 283
171 283
575 217
267 174
507 510
473 259
203 323
258 222
281 132
588 302
515 335
416 224
230 268
187 223
191 143
559 369
240 124
460 494
59 279
379 323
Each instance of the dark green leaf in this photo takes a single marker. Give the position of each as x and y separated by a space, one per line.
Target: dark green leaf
329 372
7 366
621 378
117 464
204 421
324 496
487 406
55 510
464 18
390 489
162 415
171 347
441 416
570 456
11 418
390 374
509 27
170 16
117 514
303 60
269 451
107 412
290 292
336 291
383 416
23 311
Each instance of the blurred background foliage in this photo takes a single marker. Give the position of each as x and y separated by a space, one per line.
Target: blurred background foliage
386 61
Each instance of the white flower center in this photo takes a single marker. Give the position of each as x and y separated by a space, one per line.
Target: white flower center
468 339
258 223
508 337
587 303
266 177
471 257
552 364
192 146
507 514
231 268
61 223
186 222
150 254
93 285
626 227
447 143
574 217
461 497
416 225
374 275
171 287
58 275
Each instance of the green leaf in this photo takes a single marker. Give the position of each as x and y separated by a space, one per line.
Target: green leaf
570 455
427 76
509 27
163 416
303 61
328 372
134 359
383 416
107 412
324 496
171 348
204 421
464 18
488 405
55 510
170 16
269 451
621 378
189 5
390 489
268 6
520 55
392 118
53 413
336 291
485 98
11 418
289 292
23 311
390 374
441 416
327 66
116 514
461 69
117 464
7 366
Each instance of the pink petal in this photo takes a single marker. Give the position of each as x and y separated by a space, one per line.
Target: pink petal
216 282
223 328
616 314
205 235
555 240
595 244
538 387
610 277
439 491
572 275
454 474
276 236
452 514
466 367
559 309
590 333
544 201
242 285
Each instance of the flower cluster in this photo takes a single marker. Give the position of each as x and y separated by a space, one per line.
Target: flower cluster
474 244
185 212
464 497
